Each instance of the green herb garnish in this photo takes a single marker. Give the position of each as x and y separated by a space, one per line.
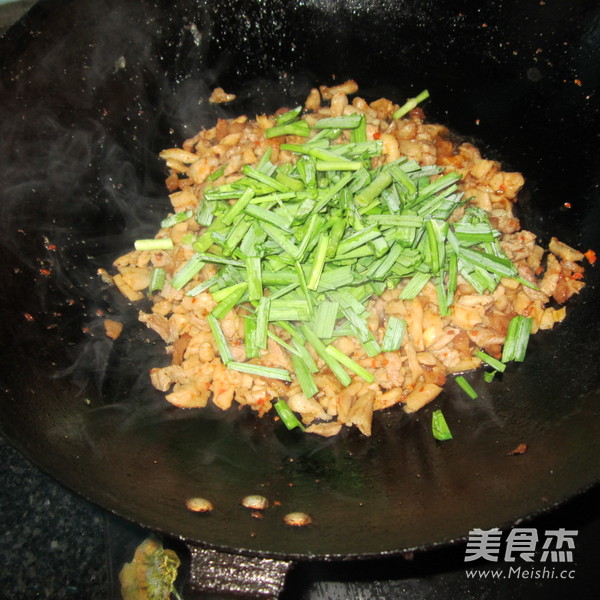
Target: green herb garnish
490 360
466 387
410 104
439 427
305 245
154 244
157 279
179 217
287 416
517 338
394 334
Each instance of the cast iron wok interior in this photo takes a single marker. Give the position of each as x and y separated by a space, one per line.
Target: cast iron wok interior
91 92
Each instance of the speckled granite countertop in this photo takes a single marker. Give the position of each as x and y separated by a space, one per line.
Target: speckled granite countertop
53 543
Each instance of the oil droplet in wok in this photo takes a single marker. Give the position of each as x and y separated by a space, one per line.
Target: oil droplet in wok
255 502
297 519
201 505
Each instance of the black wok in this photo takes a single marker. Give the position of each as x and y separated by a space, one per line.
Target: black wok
91 92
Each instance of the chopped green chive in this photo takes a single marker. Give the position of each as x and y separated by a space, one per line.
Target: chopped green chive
302 351
293 183
236 235
299 128
179 217
350 363
360 238
254 275
494 264
287 416
410 104
439 426
216 174
281 239
305 379
330 361
186 273
218 260
252 369
265 159
202 287
229 301
263 178
338 165
291 349
318 263
325 318
344 122
284 291
268 216
289 116
488 376
188 239
236 209
220 338
414 286
517 338
466 387
224 292
374 189
359 133
303 287
262 322
338 228
394 334
452 277
305 245
154 244
490 360
282 309
157 279
250 347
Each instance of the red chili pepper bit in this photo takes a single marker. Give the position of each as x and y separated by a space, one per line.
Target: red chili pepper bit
29 317
377 135
591 256
527 312
519 450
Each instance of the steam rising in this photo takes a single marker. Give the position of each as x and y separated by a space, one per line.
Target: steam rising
83 179
83 121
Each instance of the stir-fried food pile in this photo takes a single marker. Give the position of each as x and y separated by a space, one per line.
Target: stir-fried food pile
339 258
